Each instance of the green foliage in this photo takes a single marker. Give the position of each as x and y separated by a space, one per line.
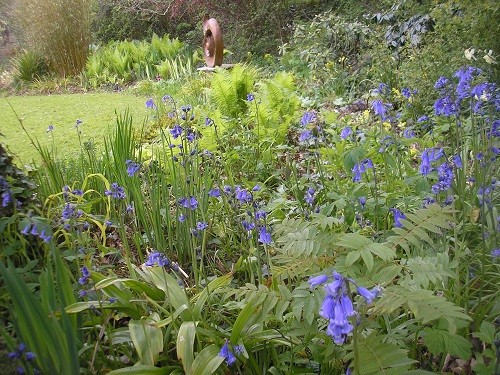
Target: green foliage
229 89
58 30
44 326
29 66
127 61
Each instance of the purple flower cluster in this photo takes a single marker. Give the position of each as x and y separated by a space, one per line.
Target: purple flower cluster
115 191
452 96
360 168
381 109
337 305
132 167
85 276
228 354
188 202
157 258
429 156
20 354
5 188
445 178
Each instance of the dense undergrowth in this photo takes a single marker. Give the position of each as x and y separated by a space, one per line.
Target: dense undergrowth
263 221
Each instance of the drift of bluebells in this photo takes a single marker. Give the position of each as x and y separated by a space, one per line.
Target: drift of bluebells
132 167
360 168
115 191
398 216
337 306
453 98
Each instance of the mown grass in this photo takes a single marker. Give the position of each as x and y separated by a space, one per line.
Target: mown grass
97 111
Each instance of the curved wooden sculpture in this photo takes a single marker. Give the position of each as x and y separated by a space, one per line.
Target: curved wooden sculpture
213 46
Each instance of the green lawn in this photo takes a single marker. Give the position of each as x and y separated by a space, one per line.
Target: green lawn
97 111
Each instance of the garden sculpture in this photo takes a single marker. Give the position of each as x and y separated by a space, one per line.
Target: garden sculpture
213 46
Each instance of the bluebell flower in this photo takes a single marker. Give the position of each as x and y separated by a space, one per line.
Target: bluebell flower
256 188
446 106
250 97
441 83
243 195
407 93
176 131
50 128
214 193
115 191
165 98
227 354
445 178
227 189
362 201
495 253
132 167
248 225
360 168
337 306
208 121
6 198
398 216
305 136
150 103
368 295
409 133
429 155
308 117
345 133
156 258
309 196
182 218
423 118
20 370
317 280
201 225
68 211
129 208
185 108
383 89
260 215
457 161
190 136
380 109
239 349
26 229
264 236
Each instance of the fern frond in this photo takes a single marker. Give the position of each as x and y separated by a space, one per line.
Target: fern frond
416 226
379 357
423 304
422 272
297 238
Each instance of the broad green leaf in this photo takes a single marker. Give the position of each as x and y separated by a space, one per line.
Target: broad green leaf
147 338
486 332
185 345
439 341
207 361
201 298
143 370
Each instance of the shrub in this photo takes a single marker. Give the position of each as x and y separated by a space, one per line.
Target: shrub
59 30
